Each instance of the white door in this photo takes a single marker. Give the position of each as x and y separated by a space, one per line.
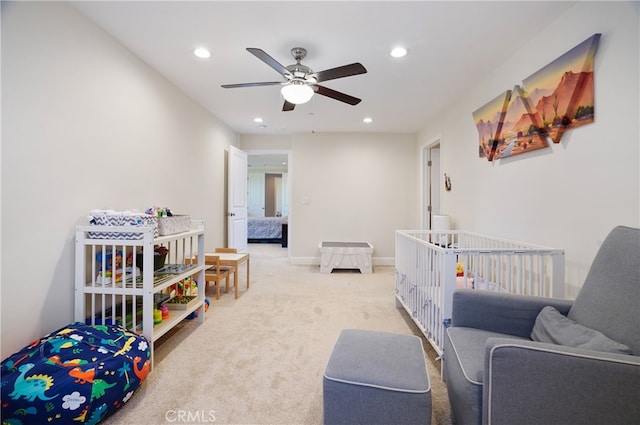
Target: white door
256 194
237 199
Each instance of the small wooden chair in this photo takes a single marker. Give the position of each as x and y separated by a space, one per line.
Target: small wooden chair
215 273
230 269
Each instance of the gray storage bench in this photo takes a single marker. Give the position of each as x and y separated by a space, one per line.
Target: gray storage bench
376 378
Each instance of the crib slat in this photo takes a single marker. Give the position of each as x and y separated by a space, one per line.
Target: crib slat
426 273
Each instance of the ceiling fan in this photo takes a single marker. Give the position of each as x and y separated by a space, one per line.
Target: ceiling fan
300 82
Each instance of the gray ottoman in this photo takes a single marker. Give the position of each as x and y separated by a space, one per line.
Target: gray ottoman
376 378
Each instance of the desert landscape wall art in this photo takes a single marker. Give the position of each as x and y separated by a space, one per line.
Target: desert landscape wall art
489 120
557 98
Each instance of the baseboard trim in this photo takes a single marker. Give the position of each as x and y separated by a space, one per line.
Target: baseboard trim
315 261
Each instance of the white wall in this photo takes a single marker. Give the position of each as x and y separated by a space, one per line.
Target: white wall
569 195
347 186
85 124
266 144
351 187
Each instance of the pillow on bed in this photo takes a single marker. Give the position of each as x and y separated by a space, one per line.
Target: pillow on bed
553 327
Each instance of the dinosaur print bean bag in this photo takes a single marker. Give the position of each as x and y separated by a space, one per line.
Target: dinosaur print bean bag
79 374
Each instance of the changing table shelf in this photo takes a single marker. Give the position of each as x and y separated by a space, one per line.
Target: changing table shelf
109 300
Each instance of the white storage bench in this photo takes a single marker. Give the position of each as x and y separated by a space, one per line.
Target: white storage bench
345 255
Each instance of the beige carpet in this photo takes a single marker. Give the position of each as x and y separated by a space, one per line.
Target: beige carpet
260 359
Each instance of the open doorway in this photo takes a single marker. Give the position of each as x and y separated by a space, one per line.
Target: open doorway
268 177
268 190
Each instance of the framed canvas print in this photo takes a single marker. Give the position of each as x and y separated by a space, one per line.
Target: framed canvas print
562 92
489 121
522 128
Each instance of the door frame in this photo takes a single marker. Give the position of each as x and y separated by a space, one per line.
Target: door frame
289 184
430 181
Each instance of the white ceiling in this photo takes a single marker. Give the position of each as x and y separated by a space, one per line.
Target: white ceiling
452 45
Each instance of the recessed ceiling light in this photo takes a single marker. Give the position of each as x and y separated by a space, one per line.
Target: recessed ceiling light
258 119
202 53
368 120
398 52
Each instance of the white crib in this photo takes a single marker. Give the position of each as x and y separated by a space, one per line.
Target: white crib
426 273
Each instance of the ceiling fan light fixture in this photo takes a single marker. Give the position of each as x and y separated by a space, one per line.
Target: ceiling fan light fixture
297 92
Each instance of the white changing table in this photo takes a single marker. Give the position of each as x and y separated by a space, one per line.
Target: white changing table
345 255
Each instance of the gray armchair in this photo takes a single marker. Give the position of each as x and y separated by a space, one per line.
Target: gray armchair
496 374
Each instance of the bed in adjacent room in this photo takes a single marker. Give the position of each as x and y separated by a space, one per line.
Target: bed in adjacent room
265 229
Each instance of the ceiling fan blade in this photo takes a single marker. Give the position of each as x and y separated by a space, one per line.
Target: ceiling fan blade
340 72
288 106
264 57
342 97
266 83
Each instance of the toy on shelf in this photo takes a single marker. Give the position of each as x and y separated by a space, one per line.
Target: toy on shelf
194 314
183 294
157 317
187 287
107 260
159 212
128 272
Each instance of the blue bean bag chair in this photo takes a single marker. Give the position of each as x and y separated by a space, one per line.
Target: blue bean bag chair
77 374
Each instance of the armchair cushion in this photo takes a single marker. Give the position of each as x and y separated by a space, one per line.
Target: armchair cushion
553 327
464 370
533 383
502 313
609 298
